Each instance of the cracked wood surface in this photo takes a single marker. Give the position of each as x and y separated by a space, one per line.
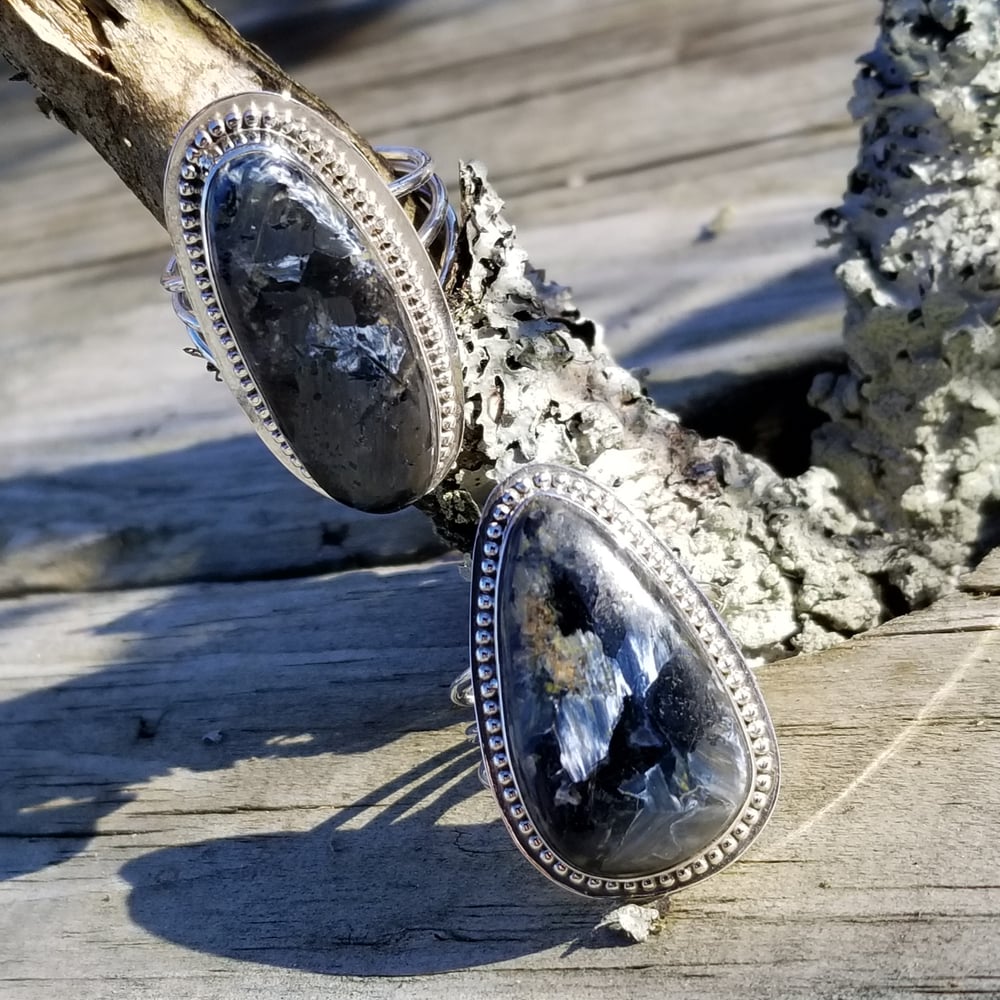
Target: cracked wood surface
260 789
257 788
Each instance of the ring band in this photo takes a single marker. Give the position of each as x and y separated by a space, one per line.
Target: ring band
300 277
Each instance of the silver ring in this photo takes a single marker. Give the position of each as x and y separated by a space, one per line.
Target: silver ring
461 690
622 733
299 276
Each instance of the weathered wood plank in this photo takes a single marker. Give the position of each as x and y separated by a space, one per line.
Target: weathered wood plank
232 789
338 830
618 129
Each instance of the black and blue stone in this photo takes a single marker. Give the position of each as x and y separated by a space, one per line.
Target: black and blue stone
628 753
321 331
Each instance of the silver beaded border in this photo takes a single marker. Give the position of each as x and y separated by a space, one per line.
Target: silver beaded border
634 535
257 120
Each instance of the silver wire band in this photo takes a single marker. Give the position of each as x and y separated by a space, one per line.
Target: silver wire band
461 690
414 175
463 696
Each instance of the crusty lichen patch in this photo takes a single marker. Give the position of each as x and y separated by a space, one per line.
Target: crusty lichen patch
775 555
914 435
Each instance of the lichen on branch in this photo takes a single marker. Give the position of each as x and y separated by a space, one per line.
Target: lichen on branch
914 435
776 555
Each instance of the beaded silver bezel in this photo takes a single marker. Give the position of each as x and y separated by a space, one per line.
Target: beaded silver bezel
289 129
635 536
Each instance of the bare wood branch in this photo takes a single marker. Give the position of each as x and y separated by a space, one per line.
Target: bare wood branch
127 75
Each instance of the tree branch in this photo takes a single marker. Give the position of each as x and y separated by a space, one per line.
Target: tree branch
128 75
793 563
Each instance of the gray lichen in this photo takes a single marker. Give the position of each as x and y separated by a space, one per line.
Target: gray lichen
776 555
905 484
914 436
633 923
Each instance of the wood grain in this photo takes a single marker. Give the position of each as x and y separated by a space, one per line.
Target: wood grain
336 830
258 787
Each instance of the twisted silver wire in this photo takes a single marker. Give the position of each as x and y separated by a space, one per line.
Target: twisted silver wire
174 284
461 690
414 175
462 697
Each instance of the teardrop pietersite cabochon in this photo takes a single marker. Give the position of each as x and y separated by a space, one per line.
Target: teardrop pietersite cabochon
623 734
317 300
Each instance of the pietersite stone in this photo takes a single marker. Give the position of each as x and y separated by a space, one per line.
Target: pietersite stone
321 332
628 753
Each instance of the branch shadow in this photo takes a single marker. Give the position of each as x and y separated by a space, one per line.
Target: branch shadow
763 409
185 664
766 414
217 510
298 31
404 893
389 883
793 295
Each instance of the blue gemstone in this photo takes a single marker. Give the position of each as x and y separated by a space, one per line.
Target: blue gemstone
627 750
321 330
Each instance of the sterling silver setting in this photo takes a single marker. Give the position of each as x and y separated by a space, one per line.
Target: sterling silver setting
302 136
482 686
414 175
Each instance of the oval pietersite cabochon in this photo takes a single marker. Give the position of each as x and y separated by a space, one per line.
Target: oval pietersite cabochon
321 330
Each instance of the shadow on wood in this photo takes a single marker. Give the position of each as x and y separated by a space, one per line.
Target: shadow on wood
215 510
372 891
176 683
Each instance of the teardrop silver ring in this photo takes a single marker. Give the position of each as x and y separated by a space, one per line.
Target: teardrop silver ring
622 733
299 275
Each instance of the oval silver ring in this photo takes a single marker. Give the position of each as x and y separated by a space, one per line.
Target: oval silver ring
301 278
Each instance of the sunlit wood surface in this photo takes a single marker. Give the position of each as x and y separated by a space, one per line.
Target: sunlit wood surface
228 763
